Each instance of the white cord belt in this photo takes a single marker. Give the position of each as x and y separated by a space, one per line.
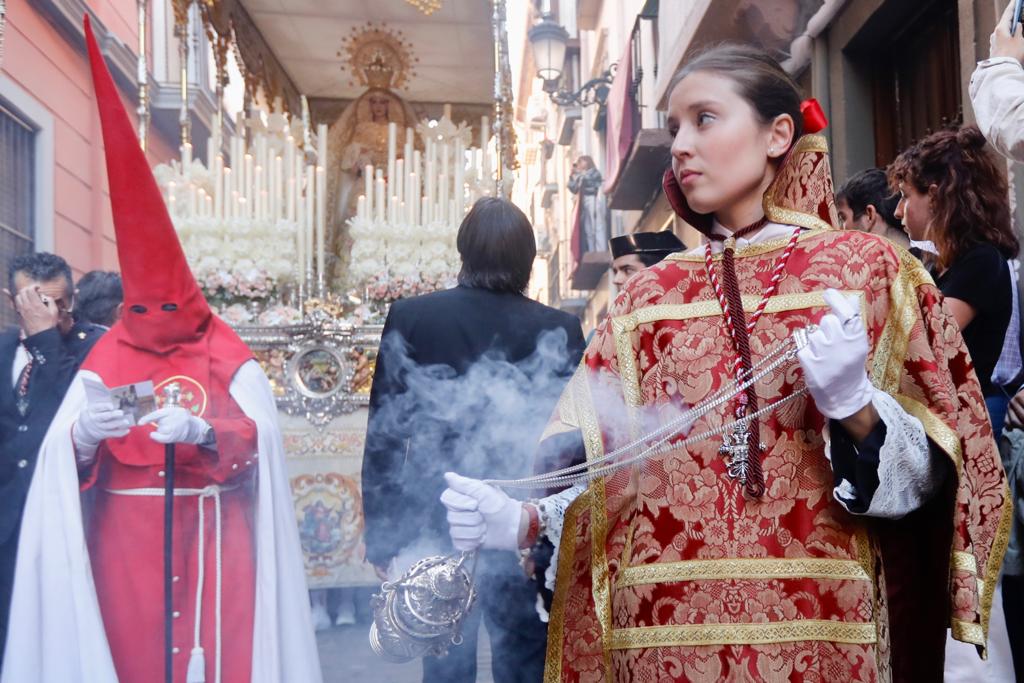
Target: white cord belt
196 663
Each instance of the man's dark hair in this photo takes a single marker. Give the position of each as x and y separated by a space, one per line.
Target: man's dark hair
870 187
650 259
497 246
41 267
97 297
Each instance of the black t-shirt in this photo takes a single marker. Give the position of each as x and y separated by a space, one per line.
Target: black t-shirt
981 278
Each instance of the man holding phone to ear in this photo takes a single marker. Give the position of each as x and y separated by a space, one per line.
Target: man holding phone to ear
38 359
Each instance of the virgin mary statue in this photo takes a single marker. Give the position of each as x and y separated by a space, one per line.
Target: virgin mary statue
360 137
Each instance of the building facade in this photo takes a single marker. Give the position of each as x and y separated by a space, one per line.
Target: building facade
886 72
53 189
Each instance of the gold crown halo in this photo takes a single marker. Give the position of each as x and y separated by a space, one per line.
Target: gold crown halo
376 56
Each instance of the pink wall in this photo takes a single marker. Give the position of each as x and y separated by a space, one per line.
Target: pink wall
56 73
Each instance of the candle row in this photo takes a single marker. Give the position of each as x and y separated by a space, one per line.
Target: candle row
423 188
269 180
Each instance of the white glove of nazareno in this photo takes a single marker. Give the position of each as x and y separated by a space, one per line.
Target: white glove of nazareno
480 515
97 422
835 359
174 424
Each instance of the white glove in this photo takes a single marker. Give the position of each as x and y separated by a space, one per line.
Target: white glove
835 359
97 422
481 515
176 425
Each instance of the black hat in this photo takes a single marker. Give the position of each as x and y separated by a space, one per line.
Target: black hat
659 244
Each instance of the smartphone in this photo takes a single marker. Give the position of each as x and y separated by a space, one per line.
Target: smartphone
1015 16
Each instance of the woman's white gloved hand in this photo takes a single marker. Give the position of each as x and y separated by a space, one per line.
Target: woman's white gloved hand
480 515
835 359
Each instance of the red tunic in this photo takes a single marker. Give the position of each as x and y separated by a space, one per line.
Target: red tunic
126 545
667 572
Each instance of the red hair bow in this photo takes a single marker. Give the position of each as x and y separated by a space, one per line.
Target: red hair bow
814 118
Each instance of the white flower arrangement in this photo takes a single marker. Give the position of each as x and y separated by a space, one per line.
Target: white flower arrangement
390 261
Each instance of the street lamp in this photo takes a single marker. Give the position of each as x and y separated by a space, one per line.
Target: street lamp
549 41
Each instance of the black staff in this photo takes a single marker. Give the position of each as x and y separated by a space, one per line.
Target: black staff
172 394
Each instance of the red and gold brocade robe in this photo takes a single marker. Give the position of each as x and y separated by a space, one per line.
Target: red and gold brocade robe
666 572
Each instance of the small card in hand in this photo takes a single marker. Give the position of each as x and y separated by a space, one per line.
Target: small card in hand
136 400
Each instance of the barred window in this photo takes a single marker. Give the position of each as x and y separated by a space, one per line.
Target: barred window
17 195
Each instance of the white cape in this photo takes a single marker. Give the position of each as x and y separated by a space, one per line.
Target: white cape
57 634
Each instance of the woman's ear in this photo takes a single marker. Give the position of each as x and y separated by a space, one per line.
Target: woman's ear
780 136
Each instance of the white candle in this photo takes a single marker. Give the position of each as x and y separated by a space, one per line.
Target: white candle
321 145
186 155
289 158
310 214
247 181
321 219
278 189
171 199
392 209
291 199
485 157
261 158
458 189
424 211
431 180
234 204
218 186
368 190
442 198
398 182
378 199
407 198
259 192
413 200
192 197
392 139
300 238
416 168
361 207
445 173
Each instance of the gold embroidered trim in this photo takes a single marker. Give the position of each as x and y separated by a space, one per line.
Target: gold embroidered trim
774 198
629 374
995 563
563 577
938 431
594 446
904 312
749 250
628 323
963 561
967 632
744 634
743 568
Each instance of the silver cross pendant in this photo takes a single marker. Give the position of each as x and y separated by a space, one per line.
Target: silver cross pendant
735 449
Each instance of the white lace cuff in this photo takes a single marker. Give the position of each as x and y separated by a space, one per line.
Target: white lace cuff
552 512
907 476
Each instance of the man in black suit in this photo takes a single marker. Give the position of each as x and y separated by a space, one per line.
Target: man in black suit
38 360
465 380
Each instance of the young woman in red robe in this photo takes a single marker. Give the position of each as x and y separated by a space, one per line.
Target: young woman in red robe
859 517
